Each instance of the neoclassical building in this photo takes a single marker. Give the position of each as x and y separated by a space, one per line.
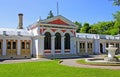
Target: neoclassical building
54 37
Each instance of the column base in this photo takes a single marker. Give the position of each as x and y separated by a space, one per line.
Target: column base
39 56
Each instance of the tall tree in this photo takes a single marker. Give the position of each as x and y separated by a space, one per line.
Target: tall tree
50 15
78 26
117 19
85 28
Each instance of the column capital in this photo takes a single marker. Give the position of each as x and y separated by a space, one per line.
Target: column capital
42 36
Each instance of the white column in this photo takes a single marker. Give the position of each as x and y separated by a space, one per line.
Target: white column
104 47
62 44
86 47
4 47
18 47
53 44
78 46
39 46
114 45
72 45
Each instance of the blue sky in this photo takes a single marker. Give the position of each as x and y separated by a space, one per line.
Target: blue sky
91 11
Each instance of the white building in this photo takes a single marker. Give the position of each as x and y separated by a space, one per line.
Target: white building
51 37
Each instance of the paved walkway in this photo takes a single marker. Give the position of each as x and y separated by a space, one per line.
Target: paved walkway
73 63
22 60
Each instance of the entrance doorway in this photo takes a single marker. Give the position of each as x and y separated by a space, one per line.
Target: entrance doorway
101 48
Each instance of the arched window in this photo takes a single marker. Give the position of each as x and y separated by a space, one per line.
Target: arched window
57 41
67 41
47 41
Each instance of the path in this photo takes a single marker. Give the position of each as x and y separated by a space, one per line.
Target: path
73 63
23 60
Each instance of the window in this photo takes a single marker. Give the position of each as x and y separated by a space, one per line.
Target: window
106 44
23 45
9 45
57 41
91 45
0 45
88 45
67 41
28 45
47 41
14 45
83 45
80 45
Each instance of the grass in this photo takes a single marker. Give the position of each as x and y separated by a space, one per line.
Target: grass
52 69
118 56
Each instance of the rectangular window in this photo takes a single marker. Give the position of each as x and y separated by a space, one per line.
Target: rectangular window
83 45
14 45
28 45
8 45
106 44
80 45
117 45
22 45
0 45
88 45
91 45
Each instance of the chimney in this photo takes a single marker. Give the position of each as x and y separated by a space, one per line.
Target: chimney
20 20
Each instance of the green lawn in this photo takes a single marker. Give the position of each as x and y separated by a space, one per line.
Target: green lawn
52 69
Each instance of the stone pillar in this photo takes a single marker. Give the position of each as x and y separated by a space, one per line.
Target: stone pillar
4 47
72 45
96 46
104 46
62 45
78 46
86 47
18 47
119 48
53 45
39 43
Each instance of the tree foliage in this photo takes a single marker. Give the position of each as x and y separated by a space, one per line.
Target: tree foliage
85 28
116 2
79 25
117 16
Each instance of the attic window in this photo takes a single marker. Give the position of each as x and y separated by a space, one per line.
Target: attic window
4 32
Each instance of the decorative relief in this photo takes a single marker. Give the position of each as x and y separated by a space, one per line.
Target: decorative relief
53 30
58 21
63 31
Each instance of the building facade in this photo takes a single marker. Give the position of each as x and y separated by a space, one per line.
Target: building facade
54 37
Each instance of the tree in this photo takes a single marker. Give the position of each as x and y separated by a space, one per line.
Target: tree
78 26
117 16
102 28
50 15
85 28
116 2
117 19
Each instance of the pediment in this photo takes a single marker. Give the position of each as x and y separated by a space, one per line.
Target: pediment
59 20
